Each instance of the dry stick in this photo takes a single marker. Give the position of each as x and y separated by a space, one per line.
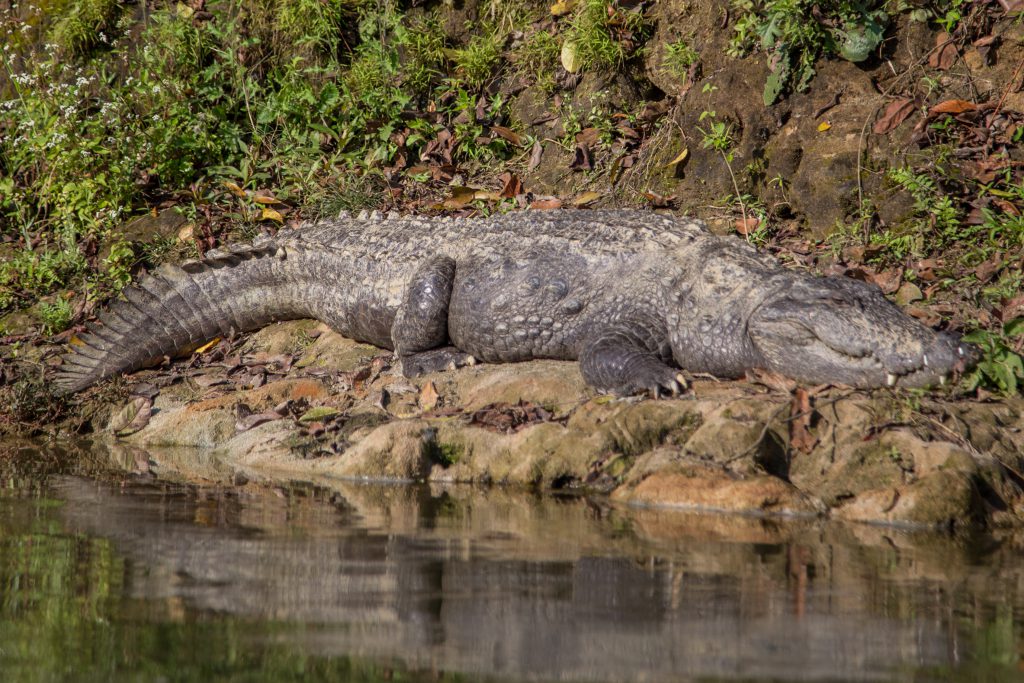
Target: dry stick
1013 79
834 102
739 197
797 416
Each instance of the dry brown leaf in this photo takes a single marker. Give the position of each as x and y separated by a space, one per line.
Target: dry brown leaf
1011 308
659 201
546 204
953 107
264 197
896 112
680 158
772 380
509 417
207 381
888 280
511 185
746 226
987 270
428 397
535 155
235 189
588 136
581 159
925 315
271 214
249 421
945 52
800 413
508 134
461 196
132 417
586 198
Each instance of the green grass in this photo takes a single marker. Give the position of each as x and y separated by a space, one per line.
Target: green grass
594 34
477 62
537 58
679 57
85 25
301 97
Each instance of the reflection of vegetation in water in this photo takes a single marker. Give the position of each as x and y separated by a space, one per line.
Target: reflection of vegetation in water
73 606
995 650
65 613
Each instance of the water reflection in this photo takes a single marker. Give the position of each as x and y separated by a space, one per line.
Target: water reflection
163 577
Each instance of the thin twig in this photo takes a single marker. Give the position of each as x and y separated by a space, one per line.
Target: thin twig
795 416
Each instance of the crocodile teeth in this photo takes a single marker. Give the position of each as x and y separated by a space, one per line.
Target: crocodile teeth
942 380
890 379
925 358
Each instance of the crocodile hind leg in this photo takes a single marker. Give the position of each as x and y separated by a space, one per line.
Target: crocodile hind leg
620 363
420 331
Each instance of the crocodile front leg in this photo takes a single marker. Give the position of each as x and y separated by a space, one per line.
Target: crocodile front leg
420 330
618 361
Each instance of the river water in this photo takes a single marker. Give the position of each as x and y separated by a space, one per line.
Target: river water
107 575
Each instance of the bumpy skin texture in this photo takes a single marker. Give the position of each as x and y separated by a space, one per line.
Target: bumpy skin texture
627 293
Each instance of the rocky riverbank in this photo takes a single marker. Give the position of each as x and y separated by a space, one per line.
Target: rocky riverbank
298 402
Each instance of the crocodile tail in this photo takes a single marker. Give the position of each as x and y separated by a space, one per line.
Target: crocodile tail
179 307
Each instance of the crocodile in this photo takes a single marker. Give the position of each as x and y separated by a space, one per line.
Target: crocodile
634 296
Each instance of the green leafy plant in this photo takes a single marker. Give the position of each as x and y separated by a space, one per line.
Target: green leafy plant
1001 367
55 316
796 33
718 135
305 98
939 212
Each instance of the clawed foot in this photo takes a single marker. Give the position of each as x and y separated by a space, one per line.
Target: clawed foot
435 360
655 383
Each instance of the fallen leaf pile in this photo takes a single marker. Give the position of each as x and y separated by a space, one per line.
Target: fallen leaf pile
509 418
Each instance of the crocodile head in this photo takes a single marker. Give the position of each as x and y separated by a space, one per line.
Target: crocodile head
842 331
